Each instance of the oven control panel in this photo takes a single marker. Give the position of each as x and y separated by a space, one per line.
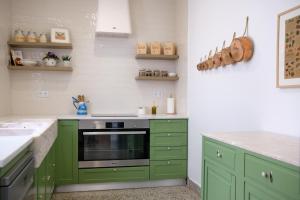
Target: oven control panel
114 124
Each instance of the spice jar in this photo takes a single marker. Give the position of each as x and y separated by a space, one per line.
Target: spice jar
156 73
19 36
164 73
149 73
31 37
43 38
142 72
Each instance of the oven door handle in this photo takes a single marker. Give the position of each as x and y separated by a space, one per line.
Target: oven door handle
115 133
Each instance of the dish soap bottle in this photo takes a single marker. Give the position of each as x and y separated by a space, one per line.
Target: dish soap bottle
153 109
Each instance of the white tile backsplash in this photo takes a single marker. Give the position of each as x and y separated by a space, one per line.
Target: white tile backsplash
104 68
4 74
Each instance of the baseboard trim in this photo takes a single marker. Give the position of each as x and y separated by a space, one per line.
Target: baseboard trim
115 186
194 187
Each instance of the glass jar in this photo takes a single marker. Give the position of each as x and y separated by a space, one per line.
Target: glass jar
19 36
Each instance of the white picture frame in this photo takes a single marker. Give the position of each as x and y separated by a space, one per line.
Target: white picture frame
60 35
281 79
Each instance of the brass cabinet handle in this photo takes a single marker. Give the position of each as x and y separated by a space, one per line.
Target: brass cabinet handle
271 177
268 175
264 174
219 154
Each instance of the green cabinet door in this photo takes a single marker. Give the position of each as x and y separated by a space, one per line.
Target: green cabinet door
168 139
50 173
122 174
168 126
45 176
67 153
168 153
219 184
171 169
41 181
253 193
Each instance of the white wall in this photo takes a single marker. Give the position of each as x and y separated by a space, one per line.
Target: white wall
181 38
5 9
243 96
104 68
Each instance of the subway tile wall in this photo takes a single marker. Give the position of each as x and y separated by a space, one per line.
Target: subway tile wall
5 106
104 68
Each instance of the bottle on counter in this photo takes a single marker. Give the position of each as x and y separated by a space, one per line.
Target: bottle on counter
153 109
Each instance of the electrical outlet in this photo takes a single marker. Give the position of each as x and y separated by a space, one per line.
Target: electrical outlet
43 94
36 75
157 94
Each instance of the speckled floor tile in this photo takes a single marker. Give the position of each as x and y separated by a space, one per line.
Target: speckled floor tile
161 193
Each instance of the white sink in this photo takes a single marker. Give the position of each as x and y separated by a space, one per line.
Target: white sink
23 125
15 132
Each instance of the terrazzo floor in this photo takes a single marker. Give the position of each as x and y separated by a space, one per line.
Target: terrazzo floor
161 193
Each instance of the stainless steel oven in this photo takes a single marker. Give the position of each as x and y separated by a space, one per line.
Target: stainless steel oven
113 143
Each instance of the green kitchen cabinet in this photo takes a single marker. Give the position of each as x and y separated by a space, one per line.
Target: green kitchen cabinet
67 152
168 153
41 180
50 173
168 139
168 126
234 173
171 169
121 174
219 184
45 176
253 193
168 149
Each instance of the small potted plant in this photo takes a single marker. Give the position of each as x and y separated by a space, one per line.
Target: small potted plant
51 59
66 60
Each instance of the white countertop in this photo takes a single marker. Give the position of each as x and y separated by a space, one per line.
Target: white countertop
11 146
23 132
79 117
276 146
44 133
158 116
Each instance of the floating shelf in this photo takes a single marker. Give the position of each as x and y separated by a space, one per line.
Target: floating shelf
48 45
153 78
40 68
157 57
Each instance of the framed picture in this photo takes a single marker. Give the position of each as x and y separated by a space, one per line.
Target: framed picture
288 48
60 35
17 57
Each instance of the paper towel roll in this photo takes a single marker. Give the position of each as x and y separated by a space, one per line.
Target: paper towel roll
171 105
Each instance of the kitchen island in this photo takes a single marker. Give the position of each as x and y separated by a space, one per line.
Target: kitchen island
250 165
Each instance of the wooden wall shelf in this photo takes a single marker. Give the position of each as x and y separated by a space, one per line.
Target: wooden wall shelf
153 78
48 45
157 57
40 68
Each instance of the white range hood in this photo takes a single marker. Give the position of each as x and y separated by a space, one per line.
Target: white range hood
113 18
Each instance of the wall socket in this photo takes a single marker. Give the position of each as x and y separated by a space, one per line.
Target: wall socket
43 94
157 94
36 76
